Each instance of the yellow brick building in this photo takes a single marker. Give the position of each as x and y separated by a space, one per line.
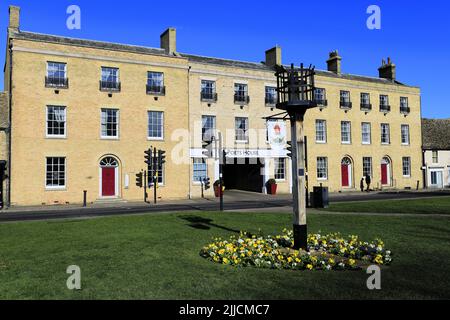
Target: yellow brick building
82 112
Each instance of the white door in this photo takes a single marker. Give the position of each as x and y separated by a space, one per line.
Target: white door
437 179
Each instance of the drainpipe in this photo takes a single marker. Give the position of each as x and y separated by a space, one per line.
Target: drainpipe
8 200
189 131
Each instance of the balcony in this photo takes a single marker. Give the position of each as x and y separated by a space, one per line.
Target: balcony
53 82
208 96
405 110
110 86
366 106
385 108
271 101
321 102
156 90
346 104
241 99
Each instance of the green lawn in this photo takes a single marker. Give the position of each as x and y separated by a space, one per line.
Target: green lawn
157 257
436 205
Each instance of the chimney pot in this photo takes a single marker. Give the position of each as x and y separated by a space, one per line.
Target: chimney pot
334 62
387 70
14 17
169 41
273 57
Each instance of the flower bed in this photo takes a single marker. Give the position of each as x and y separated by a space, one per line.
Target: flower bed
326 252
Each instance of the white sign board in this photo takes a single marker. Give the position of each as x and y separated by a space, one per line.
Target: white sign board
277 134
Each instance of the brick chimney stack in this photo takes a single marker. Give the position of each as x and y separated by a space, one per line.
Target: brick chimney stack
14 18
169 41
387 70
273 57
334 62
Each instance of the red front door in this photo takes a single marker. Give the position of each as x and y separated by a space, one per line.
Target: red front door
344 175
108 182
384 174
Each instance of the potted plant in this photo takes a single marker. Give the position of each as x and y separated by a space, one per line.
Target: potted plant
217 190
271 186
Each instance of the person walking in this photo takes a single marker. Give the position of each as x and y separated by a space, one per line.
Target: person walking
361 185
368 183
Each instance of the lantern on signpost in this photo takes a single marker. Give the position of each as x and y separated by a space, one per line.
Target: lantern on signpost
295 87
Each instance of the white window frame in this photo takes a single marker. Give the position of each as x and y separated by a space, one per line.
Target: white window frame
276 167
435 154
202 162
407 143
118 125
369 133
388 133
161 138
212 131
52 187
325 159
55 136
349 132
408 167
246 133
365 165
323 127
65 68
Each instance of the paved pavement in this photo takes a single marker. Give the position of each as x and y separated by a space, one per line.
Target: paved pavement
233 201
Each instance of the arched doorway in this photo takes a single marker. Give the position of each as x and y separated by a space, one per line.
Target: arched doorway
109 177
386 171
346 173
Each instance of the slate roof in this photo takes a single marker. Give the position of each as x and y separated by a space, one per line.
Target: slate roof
25 35
436 134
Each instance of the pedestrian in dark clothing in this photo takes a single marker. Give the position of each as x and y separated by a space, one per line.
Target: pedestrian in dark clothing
368 183
361 185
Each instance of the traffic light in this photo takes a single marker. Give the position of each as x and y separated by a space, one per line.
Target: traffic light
148 157
139 180
161 157
289 149
207 183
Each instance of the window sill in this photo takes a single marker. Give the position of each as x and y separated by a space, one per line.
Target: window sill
280 180
56 137
55 189
322 179
241 142
155 139
321 142
366 143
110 138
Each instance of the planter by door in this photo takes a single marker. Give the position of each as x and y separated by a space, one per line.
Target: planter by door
272 188
216 191
108 182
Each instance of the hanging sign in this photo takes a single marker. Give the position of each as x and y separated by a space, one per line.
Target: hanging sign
277 134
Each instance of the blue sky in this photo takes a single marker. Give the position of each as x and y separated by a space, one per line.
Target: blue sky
415 34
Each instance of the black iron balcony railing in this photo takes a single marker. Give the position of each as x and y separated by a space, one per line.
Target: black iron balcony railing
271 100
405 110
241 98
385 108
53 82
208 96
366 106
346 104
156 90
110 85
321 102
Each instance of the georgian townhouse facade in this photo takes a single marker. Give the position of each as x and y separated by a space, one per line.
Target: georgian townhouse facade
79 114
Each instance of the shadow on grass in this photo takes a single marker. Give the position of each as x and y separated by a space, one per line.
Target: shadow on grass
205 224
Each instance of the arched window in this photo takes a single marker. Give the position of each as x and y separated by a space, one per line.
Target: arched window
346 161
385 160
109 162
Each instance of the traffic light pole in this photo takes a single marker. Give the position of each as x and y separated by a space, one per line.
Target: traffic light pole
144 181
298 182
155 170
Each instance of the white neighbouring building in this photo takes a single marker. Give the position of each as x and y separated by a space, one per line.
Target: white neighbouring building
436 149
